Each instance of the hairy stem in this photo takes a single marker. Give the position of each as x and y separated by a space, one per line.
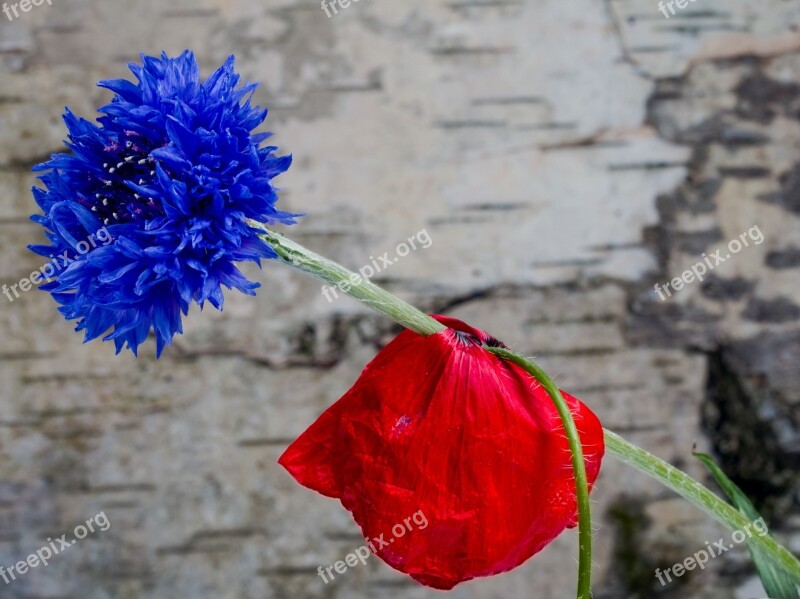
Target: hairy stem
578 467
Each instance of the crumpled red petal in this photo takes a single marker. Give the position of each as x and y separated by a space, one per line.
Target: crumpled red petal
441 426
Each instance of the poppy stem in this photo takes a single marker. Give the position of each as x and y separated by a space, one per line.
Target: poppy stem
691 490
405 314
578 466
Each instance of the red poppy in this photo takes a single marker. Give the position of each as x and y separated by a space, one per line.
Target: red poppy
441 427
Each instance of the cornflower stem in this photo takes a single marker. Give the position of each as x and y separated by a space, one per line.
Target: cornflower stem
691 490
351 283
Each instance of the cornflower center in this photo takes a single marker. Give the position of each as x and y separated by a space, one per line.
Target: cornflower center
114 201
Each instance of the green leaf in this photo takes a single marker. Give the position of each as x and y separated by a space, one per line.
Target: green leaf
778 583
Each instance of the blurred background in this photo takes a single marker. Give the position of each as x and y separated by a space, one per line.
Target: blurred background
563 157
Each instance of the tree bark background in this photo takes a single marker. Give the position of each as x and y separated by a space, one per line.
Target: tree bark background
563 157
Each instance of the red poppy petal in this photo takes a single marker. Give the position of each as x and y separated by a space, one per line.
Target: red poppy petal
440 428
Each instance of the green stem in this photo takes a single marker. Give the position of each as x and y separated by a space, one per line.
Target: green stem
691 490
578 467
384 302
350 283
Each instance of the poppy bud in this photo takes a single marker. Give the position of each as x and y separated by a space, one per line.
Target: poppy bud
440 426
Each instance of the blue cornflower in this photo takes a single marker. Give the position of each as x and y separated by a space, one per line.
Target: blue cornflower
173 174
